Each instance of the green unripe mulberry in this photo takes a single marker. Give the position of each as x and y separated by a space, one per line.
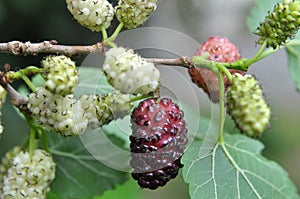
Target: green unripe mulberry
102 109
281 24
246 105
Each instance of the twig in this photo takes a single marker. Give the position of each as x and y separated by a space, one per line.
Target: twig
28 48
181 61
16 98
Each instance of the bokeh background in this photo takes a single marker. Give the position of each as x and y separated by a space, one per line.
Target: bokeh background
39 20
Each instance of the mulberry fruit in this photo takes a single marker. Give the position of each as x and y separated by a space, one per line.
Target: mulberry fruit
246 105
6 163
62 114
102 109
281 24
220 49
29 177
127 72
92 14
134 13
157 142
61 74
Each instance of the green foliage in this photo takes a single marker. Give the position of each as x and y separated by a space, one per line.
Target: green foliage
128 189
235 168
258 12
79 174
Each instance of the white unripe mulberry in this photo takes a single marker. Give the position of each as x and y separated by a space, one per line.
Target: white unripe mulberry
134 13
127 72
29 177
62 114
61 74
6 163
92 14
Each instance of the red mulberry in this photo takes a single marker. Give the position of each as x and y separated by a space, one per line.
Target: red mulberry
157 142
220 49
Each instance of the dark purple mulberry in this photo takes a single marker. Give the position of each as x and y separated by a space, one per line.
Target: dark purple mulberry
157 142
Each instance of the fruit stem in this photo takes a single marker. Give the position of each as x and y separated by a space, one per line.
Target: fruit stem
202 62
138 98
29 70
257 56
117 31
225 71
29 83
104 33
287 46
222 102
269 52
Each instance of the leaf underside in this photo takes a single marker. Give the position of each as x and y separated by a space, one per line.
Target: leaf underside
78 174
235 169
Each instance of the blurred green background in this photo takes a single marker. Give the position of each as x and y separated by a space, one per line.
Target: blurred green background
39 20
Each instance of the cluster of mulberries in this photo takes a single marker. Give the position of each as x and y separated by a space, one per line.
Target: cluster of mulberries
219 49
60 73
62 114
55 107
69 116
102 109
127 72
28 177
246 105
134 13
281 24
157 142
92 14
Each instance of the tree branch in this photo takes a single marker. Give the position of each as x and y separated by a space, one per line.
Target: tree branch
181 61
28 48
16 98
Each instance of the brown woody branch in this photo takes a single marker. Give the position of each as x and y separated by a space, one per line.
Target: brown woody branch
28 48
181 61
16 98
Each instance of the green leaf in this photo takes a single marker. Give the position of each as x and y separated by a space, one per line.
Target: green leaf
293 53
235 168
128 189
79 174
92 81
258 12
